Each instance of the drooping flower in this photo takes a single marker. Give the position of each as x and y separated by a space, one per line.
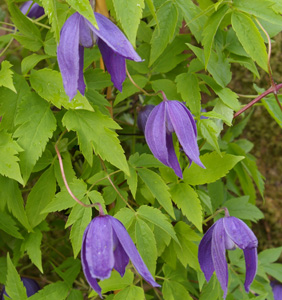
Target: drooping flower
143 116
168 117
227 234
31 286
107 245
277 290
35 11
77 34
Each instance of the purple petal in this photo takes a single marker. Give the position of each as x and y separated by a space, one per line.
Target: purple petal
205 255
184 128
172 158
277 290
91 280
80 82
36 11
143 116
114 38
239 233
114 63
99 248
251 260
68 54
85 34
121 259
31 286
131 251
218 255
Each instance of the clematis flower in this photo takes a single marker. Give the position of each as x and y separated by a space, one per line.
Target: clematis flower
31 286
227 234
168 117
35 11
277 290
78 33
107 245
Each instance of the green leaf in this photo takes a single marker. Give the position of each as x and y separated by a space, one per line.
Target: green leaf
216 167
154 216
211 290
131 292
210 132
126 216
172 290
41 194
168 87
14 286
188 87
49 85
146 245
210 30
274 270
85 9
34 131
129 13
6 76
225 113
75 295
58 290
8 160
269 255
8 225
144 160
272 107
95 132
3 269
163 34
158 188
250 38
132 181
31 61
184 196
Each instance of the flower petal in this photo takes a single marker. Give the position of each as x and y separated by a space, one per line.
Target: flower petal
251 260
99 248
218 255
115 64
91 280
132 252
204 254
172 158
184 128
121 259
80 82
239 233
35 11
85 33
113 37
68 54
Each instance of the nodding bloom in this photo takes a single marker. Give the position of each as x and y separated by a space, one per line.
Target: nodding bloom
31 286
35 11
168 117
106 245
77 34
227 234
277 290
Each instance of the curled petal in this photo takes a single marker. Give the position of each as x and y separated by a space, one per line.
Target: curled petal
239 233
121 259
251 260
80 82
205 254
130 249
218 255
85 33
172 158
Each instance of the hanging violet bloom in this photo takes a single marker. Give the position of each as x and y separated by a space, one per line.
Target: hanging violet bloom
168 117
106 245
78 33
277 290
227 234
35 11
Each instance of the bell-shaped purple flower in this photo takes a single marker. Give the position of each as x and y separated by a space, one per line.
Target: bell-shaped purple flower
168 117
277 290
35 11
227 234
106 245
31 286
78 33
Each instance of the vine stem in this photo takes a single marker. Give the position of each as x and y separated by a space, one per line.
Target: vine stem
215 214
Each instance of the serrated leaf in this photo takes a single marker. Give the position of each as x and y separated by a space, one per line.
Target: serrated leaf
95 132
274 270
158 188
58 290
8 160
132 181
34 131
167 17
216 167
144 160
226 113
31 61
272 107
8 225
184 196
269 255
210 132
126 216
250 38
168 87
131 292
173 290
49 85
129 13
6 76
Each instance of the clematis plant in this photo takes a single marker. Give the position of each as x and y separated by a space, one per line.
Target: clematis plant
77 34
168 117
35 11
106 245
227 234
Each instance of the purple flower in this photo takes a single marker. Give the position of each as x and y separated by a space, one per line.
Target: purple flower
107 245
143 116
227 233
78 33
31 286
168 117
277 290
35 11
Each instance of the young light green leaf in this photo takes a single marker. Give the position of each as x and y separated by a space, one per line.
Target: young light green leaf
158 188
129 13
225 113
271 105
6 76
131 292
29 62
173 290
8 225
250 38
126 216
216 167
164 32
95 132
210 132
269 255
58 290
132 180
